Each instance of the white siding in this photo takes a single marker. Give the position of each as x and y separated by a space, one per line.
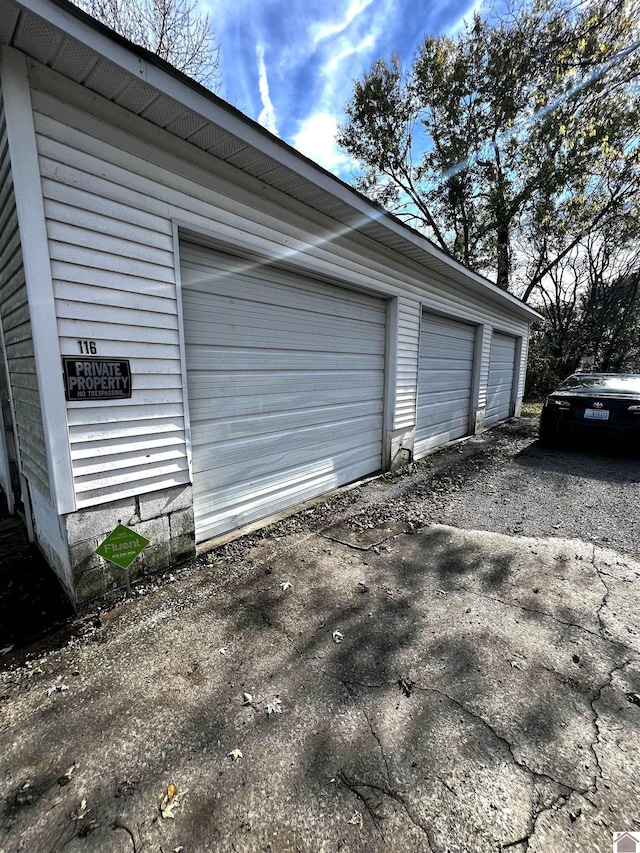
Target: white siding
522 373
487 333
16 332
114 282
407 363
111 194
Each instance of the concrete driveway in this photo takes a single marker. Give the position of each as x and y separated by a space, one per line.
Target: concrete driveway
419 686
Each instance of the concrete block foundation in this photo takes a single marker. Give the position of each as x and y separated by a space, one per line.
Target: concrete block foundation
164 517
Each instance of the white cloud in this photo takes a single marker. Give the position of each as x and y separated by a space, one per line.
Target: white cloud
320 32
367 43
467 18
267 117
316 139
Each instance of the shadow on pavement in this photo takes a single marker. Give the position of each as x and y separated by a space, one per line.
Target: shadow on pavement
615 463
32 602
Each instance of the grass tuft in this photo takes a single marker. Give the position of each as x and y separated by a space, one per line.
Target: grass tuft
531 409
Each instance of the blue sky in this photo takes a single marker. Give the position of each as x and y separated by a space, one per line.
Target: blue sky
290 64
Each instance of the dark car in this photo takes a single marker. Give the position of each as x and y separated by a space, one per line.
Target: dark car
606 405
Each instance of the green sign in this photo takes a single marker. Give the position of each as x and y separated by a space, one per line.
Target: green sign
122 546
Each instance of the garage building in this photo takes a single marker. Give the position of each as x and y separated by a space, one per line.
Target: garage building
200 327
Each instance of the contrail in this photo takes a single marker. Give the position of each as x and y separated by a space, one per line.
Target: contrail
491 144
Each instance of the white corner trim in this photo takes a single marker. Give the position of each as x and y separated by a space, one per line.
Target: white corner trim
35 252
183 352
11 502
390 380
476 379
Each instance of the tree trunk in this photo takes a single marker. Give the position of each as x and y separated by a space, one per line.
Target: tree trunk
503 263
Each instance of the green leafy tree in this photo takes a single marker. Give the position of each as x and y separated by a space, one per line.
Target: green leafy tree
176 30
511 143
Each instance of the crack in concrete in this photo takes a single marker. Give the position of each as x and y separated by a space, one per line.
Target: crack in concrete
558 802
603 603
566 790
372 730
535 775
546 614
372 811
596 722
500 738
393 794
361 548
561 800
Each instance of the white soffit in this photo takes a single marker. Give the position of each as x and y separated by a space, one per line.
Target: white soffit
59 35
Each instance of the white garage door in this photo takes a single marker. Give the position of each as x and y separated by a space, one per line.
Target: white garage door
501 372
285 379
445 378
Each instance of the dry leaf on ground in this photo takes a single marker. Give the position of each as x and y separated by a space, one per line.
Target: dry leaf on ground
81 811
274 707
171 800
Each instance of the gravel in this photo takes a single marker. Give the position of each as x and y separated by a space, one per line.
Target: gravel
500 481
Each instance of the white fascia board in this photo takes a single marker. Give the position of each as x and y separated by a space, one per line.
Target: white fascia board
35 254
209 106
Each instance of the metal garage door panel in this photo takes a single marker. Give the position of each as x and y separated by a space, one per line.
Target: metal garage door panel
445 378
286 381
501 373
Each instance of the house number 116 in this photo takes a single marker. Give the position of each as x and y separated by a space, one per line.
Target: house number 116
88 347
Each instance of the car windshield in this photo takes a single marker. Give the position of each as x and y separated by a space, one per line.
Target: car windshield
609 383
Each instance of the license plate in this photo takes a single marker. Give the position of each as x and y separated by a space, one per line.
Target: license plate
597 414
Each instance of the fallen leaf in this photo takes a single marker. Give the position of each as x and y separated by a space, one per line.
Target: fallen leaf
274 707
406 685
57 688
88 828
171 801
26 795
81 811
285 585
66 777
356 819
235 754
337 637
247 698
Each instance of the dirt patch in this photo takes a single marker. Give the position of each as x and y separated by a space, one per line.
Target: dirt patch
359 534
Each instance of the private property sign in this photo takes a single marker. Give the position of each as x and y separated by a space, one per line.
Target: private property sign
88 378
122 546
